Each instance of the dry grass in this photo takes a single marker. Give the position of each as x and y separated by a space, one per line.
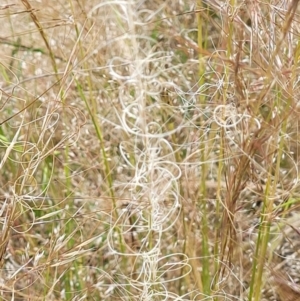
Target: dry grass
149 150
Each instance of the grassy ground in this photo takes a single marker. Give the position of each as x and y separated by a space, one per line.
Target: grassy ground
149 150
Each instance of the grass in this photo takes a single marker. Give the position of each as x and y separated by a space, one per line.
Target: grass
149 150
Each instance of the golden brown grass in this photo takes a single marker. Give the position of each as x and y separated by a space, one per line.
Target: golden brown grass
149 150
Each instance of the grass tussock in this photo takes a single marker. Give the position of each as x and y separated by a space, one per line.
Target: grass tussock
149 150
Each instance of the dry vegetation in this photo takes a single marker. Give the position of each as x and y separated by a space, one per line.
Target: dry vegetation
149 150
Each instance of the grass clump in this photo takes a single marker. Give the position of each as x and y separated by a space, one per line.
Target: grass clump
149 150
